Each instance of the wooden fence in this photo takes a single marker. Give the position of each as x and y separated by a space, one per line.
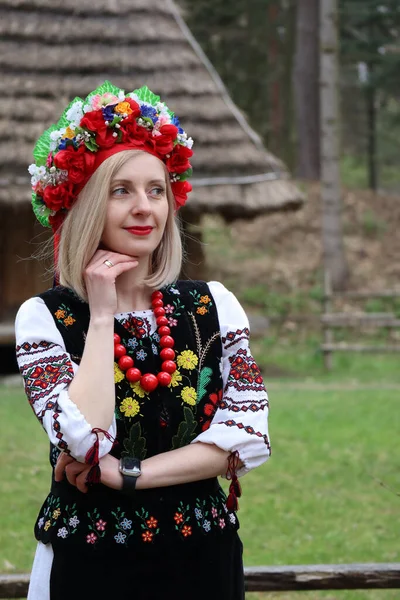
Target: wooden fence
364 576
331 320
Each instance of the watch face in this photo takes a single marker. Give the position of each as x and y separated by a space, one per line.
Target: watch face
130 466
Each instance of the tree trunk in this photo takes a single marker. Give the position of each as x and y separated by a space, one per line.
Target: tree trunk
332 236
306 88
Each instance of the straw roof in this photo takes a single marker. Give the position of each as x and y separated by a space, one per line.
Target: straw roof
54 50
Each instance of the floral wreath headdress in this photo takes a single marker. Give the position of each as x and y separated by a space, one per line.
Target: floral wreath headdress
89 131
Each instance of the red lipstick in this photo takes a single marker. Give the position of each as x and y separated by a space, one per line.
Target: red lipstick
139 230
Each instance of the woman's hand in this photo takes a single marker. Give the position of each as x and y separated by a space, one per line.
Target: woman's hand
76 472
100 280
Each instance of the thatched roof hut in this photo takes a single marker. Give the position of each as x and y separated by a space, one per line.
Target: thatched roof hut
51 51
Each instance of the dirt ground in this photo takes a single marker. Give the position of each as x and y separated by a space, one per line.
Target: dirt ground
284 251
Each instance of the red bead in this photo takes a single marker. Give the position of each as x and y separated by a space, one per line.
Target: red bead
149 382
164 378
161 321
133 375
157 302
156 294
168 366
167 354
167 341
117 339
125 362
119 350
159 311
163 330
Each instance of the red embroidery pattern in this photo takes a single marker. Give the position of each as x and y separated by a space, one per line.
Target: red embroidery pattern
243 406
33 348
248 429
244 374
43 375
137 326
233 337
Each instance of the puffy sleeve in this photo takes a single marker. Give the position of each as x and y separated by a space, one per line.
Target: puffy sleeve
240 422
47 370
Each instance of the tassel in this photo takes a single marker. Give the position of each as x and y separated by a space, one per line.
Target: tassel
235 489
92 457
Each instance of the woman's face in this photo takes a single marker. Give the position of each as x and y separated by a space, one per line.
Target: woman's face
137 208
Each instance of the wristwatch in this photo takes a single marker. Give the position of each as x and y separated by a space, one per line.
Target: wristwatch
130 467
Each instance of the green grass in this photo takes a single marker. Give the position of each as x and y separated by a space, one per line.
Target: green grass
329 494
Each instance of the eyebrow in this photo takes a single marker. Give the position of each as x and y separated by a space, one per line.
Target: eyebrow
129 182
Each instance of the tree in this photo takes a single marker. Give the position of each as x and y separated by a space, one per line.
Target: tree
306 90
332 237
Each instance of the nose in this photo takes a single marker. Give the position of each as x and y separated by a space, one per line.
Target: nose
141 203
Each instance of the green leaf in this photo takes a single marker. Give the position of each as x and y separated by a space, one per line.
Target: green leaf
202 382
186 430
42 147
135 445
41 211
147 95
186 174
107 86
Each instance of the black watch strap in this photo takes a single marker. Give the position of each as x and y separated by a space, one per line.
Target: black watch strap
129 484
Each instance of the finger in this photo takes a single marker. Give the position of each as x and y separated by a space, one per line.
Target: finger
81 483
62 461
73 470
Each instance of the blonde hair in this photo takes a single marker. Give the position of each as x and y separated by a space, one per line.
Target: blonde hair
83 227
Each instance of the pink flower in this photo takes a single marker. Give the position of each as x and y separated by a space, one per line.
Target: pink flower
49 160
222 523
98 101
214 512
172 322
91 538
169 309
101 525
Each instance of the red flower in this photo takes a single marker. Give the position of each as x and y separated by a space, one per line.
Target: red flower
79 163
59 196
179 159
132 132
94 121
164 143
210 409
181 190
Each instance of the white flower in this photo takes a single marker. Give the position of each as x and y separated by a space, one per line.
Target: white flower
87 108
32 169
63 532
126 524
207 525
189 143
75 113
121 95
120 537
232 518
198 513
134 97
41 171
40 522
74 521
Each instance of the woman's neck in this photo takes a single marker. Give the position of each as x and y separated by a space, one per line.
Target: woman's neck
132 293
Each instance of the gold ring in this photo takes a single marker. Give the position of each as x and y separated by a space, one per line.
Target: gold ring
108 263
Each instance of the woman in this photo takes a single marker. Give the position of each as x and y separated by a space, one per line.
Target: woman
144 384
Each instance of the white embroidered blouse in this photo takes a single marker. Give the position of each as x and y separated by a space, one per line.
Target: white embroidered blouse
244 409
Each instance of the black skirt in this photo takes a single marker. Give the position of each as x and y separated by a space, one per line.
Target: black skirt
212 570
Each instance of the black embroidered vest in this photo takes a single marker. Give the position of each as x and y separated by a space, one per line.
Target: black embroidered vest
147 424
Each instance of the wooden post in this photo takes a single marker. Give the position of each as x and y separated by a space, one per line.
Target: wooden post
328 333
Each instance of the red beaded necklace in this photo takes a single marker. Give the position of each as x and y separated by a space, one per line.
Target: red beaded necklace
148 381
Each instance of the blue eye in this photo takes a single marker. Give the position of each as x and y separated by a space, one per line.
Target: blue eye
157 191
118 191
